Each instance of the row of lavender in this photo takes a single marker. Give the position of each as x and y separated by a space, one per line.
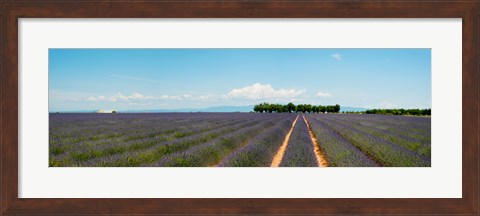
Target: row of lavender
350 140
236 140
300 151
174 139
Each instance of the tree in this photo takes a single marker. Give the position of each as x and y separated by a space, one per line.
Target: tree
322 109
330 109
300 108
337 108
273 107
268 107
290 107
256 108
308 108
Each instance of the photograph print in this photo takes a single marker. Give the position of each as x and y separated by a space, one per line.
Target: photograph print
240 107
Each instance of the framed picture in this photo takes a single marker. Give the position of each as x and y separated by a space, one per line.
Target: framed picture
211 107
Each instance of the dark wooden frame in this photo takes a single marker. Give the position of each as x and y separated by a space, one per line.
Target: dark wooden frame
12 10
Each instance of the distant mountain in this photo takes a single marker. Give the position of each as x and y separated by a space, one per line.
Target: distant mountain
229 109
352 109
209 109
72 111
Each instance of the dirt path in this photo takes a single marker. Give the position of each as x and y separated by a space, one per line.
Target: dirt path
321 160
277 159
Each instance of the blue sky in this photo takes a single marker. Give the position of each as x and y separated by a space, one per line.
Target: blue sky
140 79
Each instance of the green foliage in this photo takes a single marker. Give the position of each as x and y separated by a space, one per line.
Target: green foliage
58 150
290 107
415 112
54 163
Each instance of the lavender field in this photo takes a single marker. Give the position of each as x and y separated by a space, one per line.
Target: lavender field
238 140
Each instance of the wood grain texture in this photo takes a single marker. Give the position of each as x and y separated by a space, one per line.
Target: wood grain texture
11 10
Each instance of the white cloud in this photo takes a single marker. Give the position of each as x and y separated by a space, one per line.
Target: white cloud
207 97
138 96
387 105
92 99
255 91
263 91
121 97
324 95
171 97
139 104
99 98
337 56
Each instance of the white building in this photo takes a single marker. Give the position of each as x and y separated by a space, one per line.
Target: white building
105 111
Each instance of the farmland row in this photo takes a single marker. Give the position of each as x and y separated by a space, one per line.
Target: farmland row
382 152
415 127
139 135
260 150
88 133
299 152
151 150
210 153
339 151
420 146
238 140
155 154
80 153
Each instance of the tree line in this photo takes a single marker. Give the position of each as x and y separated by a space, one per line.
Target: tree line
290 107
400 111
308 108
416 112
